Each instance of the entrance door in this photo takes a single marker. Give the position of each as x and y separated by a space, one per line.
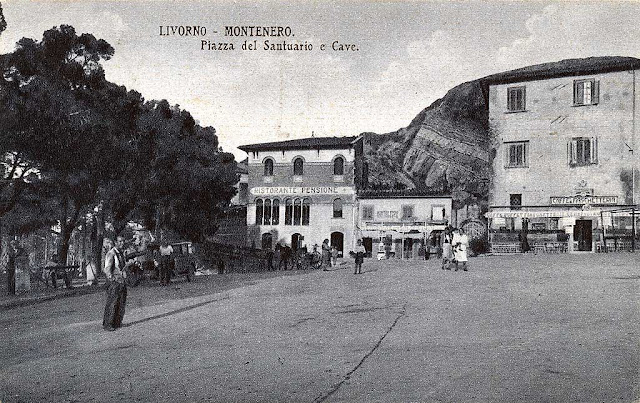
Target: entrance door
582 234
337 240
295 241
267 240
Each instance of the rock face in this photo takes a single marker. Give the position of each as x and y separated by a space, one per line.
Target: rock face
445 148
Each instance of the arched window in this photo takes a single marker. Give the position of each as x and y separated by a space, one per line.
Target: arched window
338 166
298 167
267 212
275 217
259 205
297 211
306 210
337 208
268 167
288 211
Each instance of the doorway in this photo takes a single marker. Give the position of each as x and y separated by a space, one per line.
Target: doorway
337 240
267 240
296 240
582 235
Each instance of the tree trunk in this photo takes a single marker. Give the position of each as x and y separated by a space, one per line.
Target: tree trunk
98 239
63 247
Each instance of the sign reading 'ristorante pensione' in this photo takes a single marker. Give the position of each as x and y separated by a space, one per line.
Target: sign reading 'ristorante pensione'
307 190
580 200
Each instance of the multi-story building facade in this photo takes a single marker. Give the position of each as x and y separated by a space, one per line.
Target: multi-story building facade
564 135
401 223
302 192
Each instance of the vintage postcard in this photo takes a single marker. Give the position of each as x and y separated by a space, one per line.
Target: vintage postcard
310 201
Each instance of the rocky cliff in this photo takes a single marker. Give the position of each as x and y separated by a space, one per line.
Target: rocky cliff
444 149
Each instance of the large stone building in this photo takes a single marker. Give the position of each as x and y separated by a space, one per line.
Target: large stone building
564 135
304 191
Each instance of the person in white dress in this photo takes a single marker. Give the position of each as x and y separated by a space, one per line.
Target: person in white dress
460 246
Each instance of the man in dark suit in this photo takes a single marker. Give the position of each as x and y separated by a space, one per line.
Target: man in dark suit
116 288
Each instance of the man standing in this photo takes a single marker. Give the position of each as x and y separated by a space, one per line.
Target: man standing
165 263
116 287
359 255
461 243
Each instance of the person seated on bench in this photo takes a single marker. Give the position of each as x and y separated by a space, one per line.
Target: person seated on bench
48 272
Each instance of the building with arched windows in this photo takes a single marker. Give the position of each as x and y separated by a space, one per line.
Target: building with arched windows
302 192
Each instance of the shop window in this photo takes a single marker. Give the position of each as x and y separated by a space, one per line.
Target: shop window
515 200
517 154
338 166
582 151
337 208
586 92
298 167
268 167
516 99
367 212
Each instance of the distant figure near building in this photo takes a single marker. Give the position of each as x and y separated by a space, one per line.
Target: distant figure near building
334 256
447 248
461 243
326 254
165 263
116 287
359 255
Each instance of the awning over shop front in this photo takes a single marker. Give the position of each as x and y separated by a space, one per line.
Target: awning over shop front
543 214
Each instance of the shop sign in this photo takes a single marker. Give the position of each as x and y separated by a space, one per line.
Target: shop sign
303 191
386 214
582 200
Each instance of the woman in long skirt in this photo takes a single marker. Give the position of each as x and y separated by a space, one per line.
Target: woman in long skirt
447 251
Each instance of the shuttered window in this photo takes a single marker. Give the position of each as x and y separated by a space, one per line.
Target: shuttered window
582 151
586 92
516 99
517 154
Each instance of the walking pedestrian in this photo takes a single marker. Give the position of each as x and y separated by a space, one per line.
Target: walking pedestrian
446 246
359 256
116 287
326 255
461 242
334 256
165 263
285 256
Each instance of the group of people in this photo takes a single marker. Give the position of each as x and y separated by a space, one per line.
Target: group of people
454 243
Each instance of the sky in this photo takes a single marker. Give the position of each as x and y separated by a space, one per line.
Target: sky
408 55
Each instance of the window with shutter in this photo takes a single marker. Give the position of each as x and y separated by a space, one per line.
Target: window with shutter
586 92
517 154
582 151
516 99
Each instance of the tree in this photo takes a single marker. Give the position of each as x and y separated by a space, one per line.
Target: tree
3 22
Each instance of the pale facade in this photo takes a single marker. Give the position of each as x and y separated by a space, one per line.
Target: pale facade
401 225
563 152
